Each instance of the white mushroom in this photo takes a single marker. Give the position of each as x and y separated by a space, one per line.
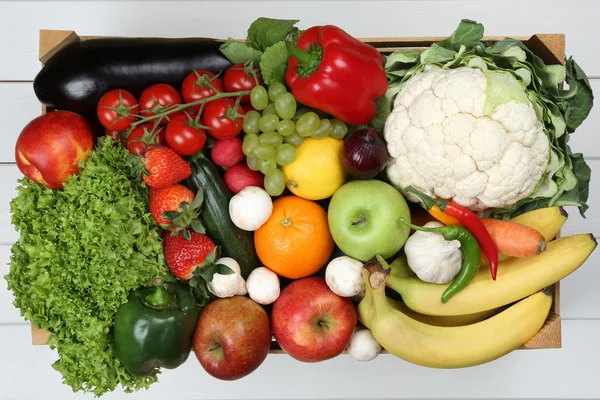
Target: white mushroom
228 285
344 276
250 208
263 285
363 345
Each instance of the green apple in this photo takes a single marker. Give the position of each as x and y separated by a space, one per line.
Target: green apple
364 219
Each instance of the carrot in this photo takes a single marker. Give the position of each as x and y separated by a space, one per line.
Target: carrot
514 239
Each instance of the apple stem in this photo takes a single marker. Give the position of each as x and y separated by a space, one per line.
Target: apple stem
360 221
323 324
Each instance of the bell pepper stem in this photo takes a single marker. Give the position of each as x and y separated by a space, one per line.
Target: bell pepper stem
158 298
309 59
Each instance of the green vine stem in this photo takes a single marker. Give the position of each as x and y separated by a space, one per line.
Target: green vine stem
181 107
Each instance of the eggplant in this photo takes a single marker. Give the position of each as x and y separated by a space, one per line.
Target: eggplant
77 76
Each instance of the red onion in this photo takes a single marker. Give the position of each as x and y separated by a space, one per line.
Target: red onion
365 154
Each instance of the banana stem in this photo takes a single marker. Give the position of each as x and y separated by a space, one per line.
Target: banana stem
378 274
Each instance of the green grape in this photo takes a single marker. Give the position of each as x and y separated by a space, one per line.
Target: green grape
275 183
300 113
250 140
267 167
308 124
264 152
275 90
285 104
285 154
259 97
286 127
323 130
271 138
294 139
339 129
251 122
268 123
270 109
253 163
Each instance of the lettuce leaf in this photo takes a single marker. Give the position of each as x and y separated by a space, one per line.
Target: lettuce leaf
81 250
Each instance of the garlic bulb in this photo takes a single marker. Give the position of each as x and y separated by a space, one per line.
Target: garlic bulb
433 258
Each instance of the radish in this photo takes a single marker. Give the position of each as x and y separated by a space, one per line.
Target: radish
240 176
227 152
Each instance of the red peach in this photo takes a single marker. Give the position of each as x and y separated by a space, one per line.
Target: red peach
51 146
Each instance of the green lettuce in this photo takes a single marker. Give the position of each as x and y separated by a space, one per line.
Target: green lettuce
562 111
81 250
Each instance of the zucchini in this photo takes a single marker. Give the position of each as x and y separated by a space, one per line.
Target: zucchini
235 242
77 76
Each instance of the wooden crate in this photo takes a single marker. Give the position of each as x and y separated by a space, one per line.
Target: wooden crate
549 47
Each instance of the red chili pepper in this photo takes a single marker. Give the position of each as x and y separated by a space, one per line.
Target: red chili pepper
334 72
469 220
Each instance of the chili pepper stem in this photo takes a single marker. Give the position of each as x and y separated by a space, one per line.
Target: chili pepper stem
428 201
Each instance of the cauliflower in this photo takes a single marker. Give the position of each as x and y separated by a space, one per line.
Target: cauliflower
467 135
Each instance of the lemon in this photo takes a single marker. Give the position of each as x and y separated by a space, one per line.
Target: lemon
317 172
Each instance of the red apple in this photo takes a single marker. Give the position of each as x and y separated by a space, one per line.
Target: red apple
51 146
310 322
232 337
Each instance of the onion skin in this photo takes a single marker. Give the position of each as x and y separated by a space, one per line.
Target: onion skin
365 154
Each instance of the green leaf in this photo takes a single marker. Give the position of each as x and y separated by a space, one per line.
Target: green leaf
223 269
437 54
383 111
265 32
579 97
468 33
238 52
197 226
273 63
402 57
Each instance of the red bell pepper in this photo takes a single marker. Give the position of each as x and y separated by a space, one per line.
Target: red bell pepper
333 72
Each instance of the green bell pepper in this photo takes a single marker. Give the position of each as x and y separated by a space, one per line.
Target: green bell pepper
154 328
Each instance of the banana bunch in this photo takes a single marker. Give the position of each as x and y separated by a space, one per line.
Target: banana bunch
484 321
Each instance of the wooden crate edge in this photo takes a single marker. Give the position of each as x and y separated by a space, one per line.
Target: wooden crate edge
551 44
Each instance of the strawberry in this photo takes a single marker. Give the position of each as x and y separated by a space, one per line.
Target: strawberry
193 259
184 256
164 167
176 209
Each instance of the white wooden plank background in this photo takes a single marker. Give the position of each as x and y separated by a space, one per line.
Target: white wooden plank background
26 372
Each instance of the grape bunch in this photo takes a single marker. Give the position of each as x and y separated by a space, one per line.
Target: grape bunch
276 127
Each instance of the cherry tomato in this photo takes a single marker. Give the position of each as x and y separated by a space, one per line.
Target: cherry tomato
114 134
248 107
219 115
239 77
196 86
183 137
144 133
117 109
159 98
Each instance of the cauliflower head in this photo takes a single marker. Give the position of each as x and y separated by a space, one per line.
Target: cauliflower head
467 135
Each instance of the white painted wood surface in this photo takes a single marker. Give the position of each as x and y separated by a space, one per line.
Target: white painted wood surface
25 372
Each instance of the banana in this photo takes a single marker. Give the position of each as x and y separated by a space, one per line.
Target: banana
548 221
366 310
454 347
399 267
517 278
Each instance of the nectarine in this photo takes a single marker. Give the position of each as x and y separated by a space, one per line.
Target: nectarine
50 147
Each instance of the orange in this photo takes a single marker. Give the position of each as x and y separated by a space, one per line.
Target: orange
295 242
